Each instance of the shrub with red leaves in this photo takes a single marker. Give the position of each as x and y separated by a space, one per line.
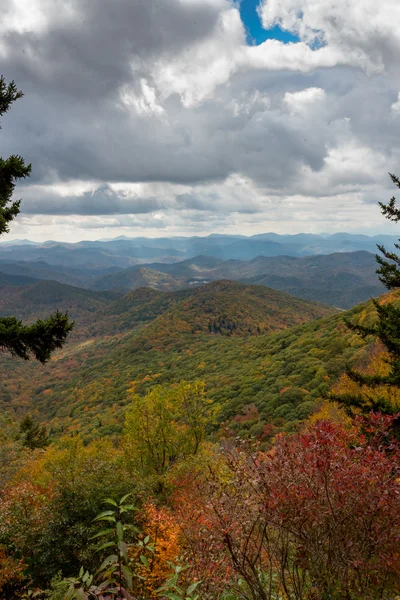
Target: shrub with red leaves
317 517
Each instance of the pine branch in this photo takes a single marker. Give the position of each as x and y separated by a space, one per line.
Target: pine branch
8 94
40 339
362 330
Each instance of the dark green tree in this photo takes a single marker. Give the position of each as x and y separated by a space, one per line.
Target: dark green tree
32 435
386 329
43 337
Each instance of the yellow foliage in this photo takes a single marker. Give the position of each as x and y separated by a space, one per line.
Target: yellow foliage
66 459
377 364
330 411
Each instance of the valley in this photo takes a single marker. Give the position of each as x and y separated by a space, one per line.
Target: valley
341 278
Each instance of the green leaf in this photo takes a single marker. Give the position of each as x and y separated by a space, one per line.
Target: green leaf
129 527
192 587
100 533
146 539
128 576
110 501
110 519
70 593
123 548
144 560
127 508
124 498
110 559
106 513
85 577
104 546
120 531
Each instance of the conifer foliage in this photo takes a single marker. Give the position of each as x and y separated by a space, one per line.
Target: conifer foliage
386 329
32 434
43 337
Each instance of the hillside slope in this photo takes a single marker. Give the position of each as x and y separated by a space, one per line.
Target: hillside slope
169 339
232 309
137 277
38 300
76 276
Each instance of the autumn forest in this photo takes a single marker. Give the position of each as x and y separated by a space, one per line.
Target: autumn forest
187 427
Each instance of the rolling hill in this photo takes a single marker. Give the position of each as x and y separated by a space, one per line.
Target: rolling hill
247 342
75 276
38 300
341 279
232 309
134 278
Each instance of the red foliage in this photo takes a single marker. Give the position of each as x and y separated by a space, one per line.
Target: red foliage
319 516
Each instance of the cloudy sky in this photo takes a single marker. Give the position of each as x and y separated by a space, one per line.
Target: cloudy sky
154 117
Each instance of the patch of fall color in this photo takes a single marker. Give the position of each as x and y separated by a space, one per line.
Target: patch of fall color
248 413
330 411
374 363
11 571
321 512
24 510
160 525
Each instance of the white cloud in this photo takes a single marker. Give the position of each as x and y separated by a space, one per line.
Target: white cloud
361 33
396 106
305 101
176 123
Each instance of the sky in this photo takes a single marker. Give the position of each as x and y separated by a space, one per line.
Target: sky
192 117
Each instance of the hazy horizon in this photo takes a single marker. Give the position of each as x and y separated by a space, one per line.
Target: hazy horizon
7 239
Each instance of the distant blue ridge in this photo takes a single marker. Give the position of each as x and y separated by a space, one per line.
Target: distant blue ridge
255 32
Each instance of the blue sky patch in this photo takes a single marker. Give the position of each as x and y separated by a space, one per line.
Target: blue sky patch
255 33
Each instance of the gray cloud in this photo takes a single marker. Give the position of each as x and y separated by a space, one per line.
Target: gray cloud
107 103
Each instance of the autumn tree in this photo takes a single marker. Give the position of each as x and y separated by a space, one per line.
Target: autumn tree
47 510
163 428
39 339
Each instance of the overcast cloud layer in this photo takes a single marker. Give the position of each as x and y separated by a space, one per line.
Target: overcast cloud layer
155 117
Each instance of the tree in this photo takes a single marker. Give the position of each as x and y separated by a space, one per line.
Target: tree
386 329
43 337
33 436
163 428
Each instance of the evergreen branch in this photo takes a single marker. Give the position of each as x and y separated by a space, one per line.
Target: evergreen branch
40 339
361 329
8 94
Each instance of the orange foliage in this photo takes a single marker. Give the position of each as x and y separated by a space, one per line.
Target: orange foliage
158 523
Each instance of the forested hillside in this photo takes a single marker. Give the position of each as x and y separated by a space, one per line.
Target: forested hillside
254 376
160 406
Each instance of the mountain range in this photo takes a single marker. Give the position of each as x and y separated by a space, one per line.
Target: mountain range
342 279
124 252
